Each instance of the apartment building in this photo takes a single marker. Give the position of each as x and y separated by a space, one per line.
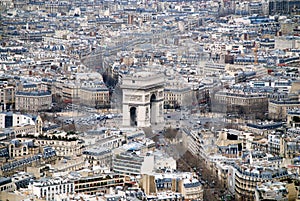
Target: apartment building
274 143
34 101
278 110
28 86
18 149
290 146
281 84
272 191
89 93
283 7
241 103
94 183
263 128
201 143
286 145
132 164
63 146
7 96
34 159
97 96
20 123
48 188
194 141
6 184
22 179
213 68
177 95
229 143
6 4
182 183
68 164
99 156
247 177
57 7
68 90
287 42
111 141
293 118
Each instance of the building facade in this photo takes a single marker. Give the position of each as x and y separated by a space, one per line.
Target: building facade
33 101
278 110
48 188
177 95
7 96
95 97
131 164
182 183
241 103
97 183
247 177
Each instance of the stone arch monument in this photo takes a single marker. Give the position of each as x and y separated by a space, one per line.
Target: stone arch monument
143 99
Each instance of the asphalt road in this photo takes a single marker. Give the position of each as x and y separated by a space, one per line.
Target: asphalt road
185 119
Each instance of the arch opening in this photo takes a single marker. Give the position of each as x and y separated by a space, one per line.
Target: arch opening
152 108
133 121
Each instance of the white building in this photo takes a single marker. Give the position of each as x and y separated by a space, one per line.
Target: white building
129 163
271 191
9 120
48 188
20 123
287 42
164 162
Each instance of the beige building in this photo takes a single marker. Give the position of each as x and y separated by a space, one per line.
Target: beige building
287 27
95 96
247 177
99 156
17 149
176 95
72 164
63 147
287 42
69 91
6 4
14 196
33 101
63 143
239 102
19 161
290 146
183 183
90 93
293 118
278 110
280 190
